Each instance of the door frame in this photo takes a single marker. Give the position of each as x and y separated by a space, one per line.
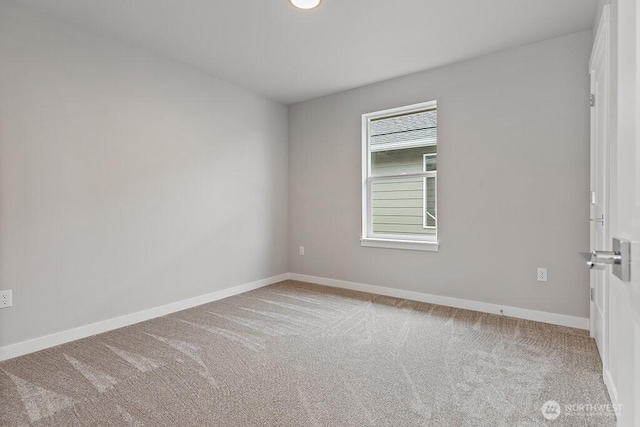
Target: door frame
601 51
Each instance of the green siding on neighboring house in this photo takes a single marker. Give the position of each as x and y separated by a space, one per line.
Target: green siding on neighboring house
398 204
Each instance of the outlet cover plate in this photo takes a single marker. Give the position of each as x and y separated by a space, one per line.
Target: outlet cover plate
6 299
542 274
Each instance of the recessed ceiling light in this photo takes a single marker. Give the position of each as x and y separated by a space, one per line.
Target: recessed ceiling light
305 4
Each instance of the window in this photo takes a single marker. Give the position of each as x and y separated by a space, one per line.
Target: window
399 178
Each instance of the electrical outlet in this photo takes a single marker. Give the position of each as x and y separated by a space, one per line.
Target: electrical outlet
542 274
5 299
301 250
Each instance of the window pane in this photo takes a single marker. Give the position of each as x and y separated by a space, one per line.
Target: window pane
398 206
413 129
430 196
408 160
430 162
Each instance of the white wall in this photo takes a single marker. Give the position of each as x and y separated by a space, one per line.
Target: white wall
127 181
513 179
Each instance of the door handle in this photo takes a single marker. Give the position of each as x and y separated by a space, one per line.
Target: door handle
597 260
595 266
604 257
619 258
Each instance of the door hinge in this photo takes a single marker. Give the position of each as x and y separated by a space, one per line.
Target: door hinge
592 100
591 294
592 197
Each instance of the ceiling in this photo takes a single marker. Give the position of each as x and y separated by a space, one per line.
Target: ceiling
292 55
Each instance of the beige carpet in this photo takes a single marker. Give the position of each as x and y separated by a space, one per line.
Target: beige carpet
295 354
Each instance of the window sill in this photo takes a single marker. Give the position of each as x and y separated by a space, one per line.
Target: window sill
400 244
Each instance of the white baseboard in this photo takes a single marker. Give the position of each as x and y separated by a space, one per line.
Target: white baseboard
611 387
522 313
40 343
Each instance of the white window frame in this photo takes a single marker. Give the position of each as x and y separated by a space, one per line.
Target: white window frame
368 238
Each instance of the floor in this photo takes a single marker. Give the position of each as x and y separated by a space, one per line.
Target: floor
297 354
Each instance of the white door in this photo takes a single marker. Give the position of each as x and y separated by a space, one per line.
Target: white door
600 239
622 369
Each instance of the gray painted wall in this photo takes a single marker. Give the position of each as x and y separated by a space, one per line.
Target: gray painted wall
513 180
127 181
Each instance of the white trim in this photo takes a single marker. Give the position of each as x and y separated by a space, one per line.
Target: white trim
390 146
366 184
611 388
40 343
521 313
415 245
401 110
603 25
428 174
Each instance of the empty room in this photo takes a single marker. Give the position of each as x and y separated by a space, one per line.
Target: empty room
320 213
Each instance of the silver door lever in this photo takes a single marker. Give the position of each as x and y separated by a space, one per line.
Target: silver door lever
604 257
619 257
597 260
